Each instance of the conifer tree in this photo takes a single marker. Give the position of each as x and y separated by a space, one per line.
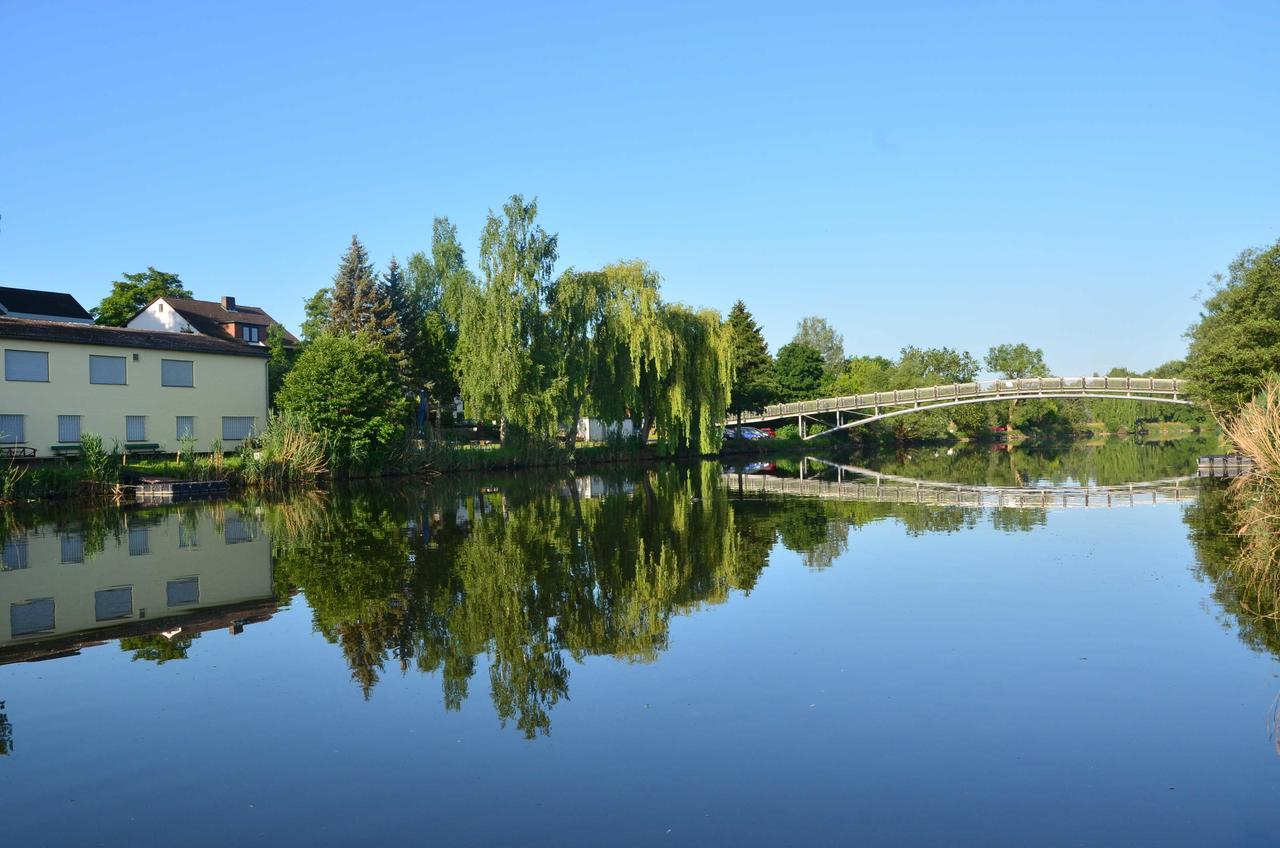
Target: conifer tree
355 275
754 385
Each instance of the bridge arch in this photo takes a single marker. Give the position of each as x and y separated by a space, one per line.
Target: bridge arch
878 406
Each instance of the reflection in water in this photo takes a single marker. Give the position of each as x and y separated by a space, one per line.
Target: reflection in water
466 578
1114 462
6 733
153 578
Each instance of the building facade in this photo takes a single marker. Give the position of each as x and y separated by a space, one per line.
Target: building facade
129 386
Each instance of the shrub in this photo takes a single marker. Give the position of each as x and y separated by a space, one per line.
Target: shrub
347 389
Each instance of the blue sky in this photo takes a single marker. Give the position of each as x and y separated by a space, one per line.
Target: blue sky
959 174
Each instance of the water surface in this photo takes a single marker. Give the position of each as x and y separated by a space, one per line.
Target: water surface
635 657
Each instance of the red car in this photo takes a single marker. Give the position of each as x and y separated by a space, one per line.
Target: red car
768 431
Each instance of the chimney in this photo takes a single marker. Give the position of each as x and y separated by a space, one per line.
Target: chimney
228 303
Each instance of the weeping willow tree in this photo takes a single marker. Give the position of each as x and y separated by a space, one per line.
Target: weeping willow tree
691 397
535 351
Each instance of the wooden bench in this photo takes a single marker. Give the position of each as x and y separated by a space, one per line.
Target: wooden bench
141 448
65 450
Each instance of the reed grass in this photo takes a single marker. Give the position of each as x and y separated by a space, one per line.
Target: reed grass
1255 429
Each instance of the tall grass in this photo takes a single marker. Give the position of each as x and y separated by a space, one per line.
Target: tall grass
288 451
1255 429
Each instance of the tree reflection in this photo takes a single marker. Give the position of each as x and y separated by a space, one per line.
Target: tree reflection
536 570
1236 534
6 733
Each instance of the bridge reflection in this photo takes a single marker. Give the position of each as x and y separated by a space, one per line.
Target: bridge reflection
852 483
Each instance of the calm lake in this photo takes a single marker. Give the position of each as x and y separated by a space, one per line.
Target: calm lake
761 653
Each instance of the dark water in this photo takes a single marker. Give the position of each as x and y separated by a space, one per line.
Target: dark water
633 658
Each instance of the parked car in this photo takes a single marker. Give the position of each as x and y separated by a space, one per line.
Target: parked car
754 433
768 431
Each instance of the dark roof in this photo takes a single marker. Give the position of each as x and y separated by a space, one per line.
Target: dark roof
53 331
208 316
41 303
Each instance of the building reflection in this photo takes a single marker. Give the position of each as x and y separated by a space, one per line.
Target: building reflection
164 574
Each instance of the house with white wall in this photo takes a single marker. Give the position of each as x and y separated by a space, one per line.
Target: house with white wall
218 319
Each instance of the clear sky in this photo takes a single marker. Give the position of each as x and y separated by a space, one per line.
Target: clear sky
948 173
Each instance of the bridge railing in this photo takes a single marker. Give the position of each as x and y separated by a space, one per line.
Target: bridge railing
1029 386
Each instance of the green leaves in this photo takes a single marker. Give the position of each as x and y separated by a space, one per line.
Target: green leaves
347 387
135 291
1235 346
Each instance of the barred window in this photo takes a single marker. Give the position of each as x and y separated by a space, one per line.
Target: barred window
186 427
13 554
12 431
107 370
68 428
135 428
236 428
139 541
72 548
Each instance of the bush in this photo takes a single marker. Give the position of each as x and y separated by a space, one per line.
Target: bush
347 390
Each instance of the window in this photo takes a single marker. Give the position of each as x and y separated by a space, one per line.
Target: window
68 428
177 372
250 333
235 429
31 617
13 555
110 604
186 427
11 430
183 592
107 370
135 428
139 541
236 529
72 548
28 366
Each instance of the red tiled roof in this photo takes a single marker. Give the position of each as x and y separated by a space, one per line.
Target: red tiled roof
208 317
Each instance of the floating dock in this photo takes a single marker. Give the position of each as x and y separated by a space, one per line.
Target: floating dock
1224 465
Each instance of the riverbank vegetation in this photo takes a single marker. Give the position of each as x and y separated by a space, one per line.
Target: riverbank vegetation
522 345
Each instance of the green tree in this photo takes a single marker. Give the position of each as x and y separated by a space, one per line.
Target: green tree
863 375
753 381
316 314
1235 346
281 359
799 370
347 387
822 337
437 282
503 352
361 303
1015 362
133 292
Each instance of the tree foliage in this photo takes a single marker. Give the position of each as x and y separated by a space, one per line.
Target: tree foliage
799 370
1016 361
347 388
818 334
133 292
754 386
1235 346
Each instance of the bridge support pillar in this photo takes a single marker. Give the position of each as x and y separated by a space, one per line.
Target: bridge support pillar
800 423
